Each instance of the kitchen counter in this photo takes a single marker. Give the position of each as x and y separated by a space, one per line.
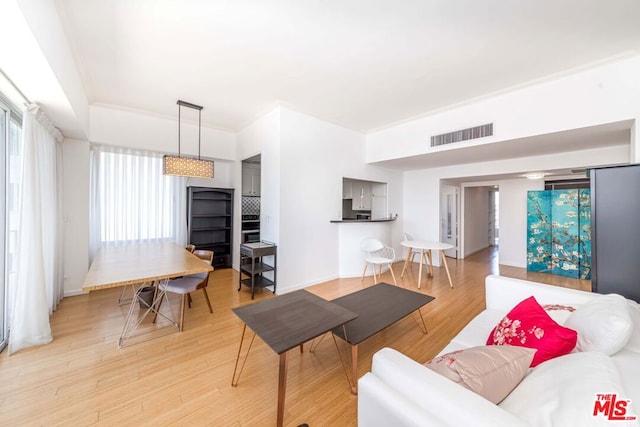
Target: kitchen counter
363 220
352 232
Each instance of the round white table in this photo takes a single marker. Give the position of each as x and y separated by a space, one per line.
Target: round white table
425 247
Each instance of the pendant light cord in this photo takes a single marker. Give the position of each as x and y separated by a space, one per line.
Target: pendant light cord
195 107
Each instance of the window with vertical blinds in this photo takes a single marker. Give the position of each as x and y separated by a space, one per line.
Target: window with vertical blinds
132 200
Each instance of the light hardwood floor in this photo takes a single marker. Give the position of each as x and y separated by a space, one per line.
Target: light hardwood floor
82 378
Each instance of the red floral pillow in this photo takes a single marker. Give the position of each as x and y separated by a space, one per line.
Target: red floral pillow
528 325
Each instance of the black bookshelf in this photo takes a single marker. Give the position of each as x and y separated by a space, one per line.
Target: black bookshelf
210 222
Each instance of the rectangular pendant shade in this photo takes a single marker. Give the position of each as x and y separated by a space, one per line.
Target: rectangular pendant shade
184 166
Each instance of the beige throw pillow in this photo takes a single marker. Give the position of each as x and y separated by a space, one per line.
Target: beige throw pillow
490 371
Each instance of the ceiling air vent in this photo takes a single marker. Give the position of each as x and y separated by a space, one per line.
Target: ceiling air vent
462 135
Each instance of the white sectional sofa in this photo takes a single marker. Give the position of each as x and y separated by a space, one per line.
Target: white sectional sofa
561 392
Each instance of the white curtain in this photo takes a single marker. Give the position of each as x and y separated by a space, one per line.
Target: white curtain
39 282
132 201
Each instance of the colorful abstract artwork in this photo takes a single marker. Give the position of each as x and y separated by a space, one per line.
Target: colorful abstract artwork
559 232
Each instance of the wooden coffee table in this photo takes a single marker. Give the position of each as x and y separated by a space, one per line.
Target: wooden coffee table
378 307
285 322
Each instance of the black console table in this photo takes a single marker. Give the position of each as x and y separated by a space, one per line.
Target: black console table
252 265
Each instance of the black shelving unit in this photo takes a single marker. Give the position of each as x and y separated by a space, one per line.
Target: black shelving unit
252 265
210 222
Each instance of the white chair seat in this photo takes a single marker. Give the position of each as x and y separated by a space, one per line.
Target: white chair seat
183 285
379 260
200 276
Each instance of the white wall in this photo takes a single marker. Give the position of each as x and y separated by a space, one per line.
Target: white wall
513 220
134 129
476 219
261 137
596 96
75 209
350 236
223 171
314 157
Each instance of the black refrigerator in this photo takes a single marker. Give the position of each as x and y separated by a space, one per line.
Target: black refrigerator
615 230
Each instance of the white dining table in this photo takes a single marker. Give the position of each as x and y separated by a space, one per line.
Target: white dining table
426 247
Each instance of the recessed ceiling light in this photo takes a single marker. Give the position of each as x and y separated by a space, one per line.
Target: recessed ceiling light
535 175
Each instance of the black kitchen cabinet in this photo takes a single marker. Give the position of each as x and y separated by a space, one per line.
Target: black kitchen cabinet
210 222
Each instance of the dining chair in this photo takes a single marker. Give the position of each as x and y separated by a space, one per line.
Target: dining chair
190 248
407 238
187 284
377 254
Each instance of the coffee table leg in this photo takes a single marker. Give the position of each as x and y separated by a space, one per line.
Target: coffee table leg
424 325
282 387
234 380
354 369
446 267
430 260
353 385
406 262
316 342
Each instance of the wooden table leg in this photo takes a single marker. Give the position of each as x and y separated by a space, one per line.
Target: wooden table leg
420 269
406 262
430 260
354 368
282 387
446 267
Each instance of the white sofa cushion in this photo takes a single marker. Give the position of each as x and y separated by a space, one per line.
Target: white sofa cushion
634 340
558 312
475 333
503 293
603 324
374 399
436 394
628 364
562 391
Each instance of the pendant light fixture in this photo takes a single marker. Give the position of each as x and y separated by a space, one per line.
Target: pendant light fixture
186 166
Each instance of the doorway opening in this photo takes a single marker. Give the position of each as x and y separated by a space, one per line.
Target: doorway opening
449 202
494 216
480 225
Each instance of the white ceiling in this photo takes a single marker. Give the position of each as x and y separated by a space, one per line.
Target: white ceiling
363 64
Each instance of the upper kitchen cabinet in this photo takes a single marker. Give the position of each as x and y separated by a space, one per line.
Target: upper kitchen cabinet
250 179
361 200
378 200
347 189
